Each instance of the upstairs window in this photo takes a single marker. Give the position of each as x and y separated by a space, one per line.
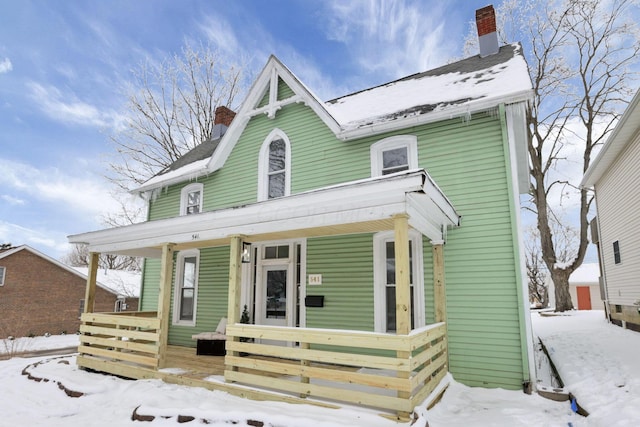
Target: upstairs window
2 270
274 170
191 199
394 154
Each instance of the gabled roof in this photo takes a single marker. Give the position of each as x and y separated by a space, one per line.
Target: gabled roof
458 89
625 133
77 272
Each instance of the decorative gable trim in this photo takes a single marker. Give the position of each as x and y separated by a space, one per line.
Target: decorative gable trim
268 80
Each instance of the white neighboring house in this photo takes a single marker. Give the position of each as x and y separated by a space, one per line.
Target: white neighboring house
614 175
126 284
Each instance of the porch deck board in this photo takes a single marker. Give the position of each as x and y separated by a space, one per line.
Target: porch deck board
198 367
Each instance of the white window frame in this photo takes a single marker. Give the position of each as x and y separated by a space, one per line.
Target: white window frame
263 164
179 282
184 196
380 282
391 143
2 274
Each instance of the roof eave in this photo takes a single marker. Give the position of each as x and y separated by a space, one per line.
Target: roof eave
448 113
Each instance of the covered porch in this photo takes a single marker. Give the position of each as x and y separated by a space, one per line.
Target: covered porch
392 372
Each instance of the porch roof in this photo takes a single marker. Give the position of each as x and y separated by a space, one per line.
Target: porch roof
355 207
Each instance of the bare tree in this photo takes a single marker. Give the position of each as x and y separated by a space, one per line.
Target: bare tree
78 256
581 55
170 110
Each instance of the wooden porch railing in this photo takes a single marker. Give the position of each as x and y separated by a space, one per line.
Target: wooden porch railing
122 337
330 364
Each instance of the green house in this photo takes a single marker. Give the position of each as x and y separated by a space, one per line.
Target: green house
374 239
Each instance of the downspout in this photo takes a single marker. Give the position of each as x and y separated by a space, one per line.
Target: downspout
526 331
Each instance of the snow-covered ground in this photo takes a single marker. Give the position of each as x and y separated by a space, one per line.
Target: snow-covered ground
595 360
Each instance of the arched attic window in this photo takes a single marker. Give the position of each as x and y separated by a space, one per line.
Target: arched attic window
274 168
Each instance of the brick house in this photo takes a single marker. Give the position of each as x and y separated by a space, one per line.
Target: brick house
39 294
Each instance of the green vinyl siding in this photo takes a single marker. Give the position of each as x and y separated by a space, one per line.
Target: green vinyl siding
466 158
150 285
284 91
213 283
346 265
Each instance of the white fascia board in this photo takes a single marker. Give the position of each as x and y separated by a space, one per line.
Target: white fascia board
445 114
626 131
364 200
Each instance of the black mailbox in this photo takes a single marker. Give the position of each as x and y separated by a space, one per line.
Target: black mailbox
314 301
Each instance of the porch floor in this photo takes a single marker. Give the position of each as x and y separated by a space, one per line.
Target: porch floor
192 365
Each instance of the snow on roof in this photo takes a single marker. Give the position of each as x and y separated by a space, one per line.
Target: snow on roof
586 273
457 89
454 85
121 282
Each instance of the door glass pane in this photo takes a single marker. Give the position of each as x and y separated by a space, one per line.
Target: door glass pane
277 294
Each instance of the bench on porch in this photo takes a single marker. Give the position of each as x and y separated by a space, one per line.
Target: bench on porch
212 343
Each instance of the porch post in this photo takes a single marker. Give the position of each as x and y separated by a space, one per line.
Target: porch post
439 290
90 292
235 279
164 302
403 286
403 292
235 284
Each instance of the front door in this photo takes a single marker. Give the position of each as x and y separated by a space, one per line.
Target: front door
275 295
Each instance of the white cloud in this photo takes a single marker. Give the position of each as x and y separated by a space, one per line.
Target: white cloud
12 200
5 65
68 109
82 194
391 38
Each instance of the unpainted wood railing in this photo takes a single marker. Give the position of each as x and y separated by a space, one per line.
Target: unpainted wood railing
393 372
121 337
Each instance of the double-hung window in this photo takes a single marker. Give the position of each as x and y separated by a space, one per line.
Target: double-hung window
385 281
191 199
394 154
274 168
186 289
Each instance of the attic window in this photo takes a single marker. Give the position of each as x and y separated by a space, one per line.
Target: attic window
274 169
394 154
2 270
191 199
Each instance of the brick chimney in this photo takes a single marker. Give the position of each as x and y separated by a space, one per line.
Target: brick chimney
487 34
223 116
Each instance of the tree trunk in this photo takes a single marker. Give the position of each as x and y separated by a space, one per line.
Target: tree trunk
561 283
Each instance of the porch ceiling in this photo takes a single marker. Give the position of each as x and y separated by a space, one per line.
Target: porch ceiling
355 207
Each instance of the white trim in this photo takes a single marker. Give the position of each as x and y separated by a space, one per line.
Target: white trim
179 279
263 164
379 279
184 196
3 271
376 151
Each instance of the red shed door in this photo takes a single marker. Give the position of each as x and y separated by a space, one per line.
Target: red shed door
584 298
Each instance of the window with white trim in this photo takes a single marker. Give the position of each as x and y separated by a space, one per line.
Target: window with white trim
191 199
274 168
2 270
384 277
394 154
186 288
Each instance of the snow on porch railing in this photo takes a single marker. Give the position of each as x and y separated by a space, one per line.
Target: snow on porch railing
393 372
123 337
